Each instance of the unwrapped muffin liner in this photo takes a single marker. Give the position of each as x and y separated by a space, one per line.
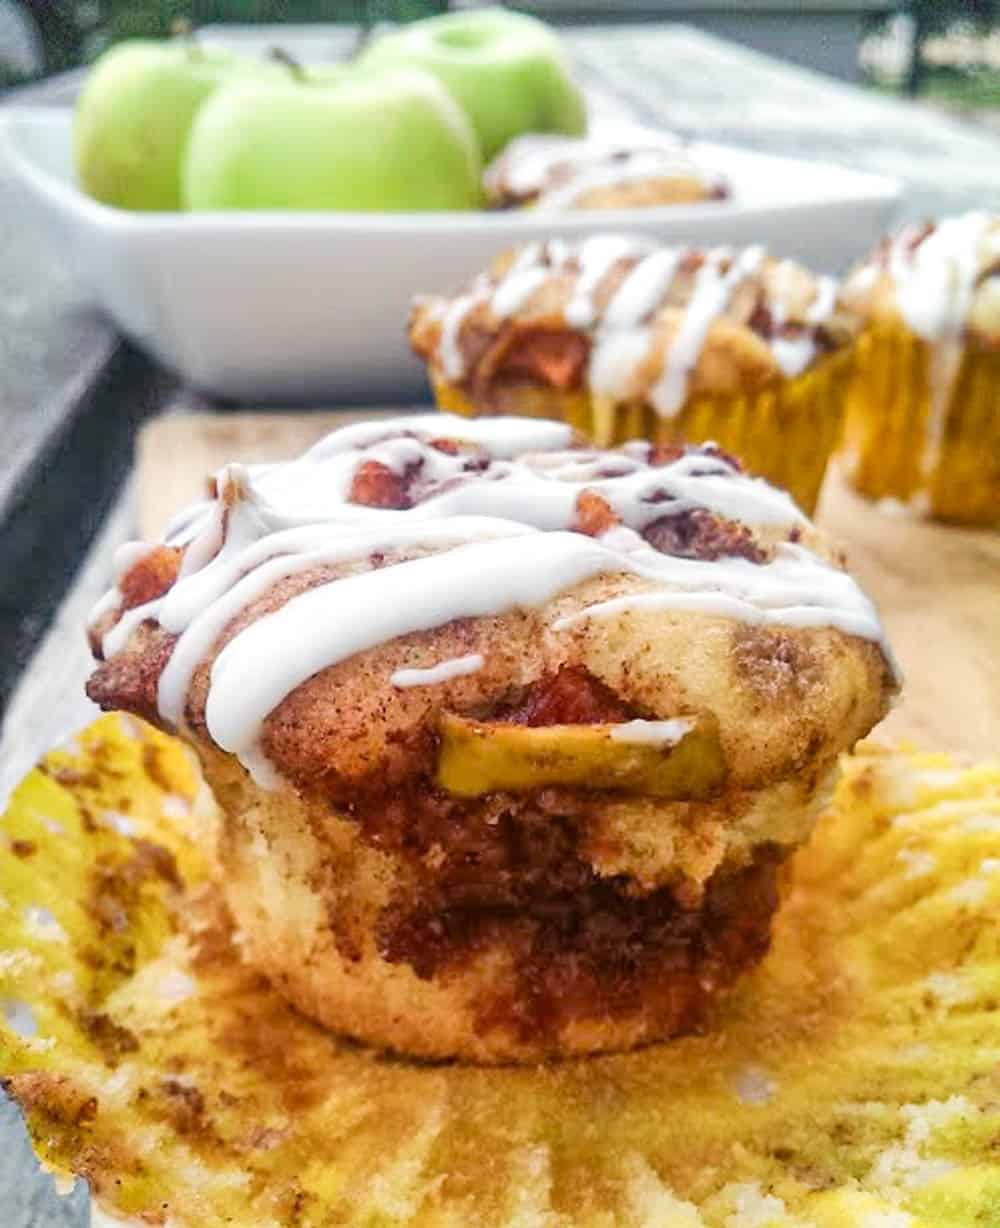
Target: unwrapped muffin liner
850 1079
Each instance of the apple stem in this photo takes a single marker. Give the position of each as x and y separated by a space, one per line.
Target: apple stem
182 30
281 56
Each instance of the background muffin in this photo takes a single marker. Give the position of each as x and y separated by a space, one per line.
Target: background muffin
923 423
599 172
500 788
626 339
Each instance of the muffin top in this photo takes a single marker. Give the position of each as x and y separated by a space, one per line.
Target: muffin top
599 172
633 321
319 617
941 278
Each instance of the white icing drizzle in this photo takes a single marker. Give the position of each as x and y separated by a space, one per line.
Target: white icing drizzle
935 278
597 257
643 289
522 279
104 605
486 534
652 733
526 163
449 351
863 280
125 557
616 360
201 613
795 352
795 589
444 671
558 171
529 270
323 626
515 290
503 438
823 304
622 333
186 523
622 341
637 166
710 296
934 281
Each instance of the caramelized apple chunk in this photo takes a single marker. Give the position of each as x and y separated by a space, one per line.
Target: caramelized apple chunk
478 757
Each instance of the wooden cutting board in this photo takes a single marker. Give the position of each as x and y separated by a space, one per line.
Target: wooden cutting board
938 588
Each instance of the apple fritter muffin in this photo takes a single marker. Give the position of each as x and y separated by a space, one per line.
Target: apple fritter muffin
510 736
640 170
623 337
923 407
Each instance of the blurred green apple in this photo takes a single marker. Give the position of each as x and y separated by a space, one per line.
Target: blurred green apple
508 71
134 114
365 140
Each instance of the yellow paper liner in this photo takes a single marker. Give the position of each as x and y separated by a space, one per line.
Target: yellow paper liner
903 393
851 1080
784 432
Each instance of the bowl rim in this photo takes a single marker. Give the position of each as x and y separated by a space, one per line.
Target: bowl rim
858 186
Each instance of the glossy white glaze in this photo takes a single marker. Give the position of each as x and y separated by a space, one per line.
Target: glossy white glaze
714 286
557 171
796 349
325 625
795 589
486 533
934 279
522 279
643 289
597 258
622 328
199 613
637 166
125 557
444 671
652 733
452 361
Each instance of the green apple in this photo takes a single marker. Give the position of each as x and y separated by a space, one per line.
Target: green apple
508 71
134 114
365 140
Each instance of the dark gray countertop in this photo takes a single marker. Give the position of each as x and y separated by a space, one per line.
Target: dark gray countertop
71 395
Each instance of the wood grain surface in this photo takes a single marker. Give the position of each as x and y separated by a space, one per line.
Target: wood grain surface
938 587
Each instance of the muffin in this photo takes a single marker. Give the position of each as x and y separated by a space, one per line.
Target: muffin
923 423
624 339
510 736
599 172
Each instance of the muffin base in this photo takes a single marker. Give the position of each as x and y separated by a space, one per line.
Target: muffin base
928 438
784 432
343 932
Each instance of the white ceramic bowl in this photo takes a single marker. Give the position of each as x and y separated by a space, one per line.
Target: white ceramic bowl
299 307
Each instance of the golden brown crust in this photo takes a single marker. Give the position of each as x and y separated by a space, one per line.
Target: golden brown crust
532 911
971 286
349 932
537 345
415 921
128 681
590 174
348 723
657 190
